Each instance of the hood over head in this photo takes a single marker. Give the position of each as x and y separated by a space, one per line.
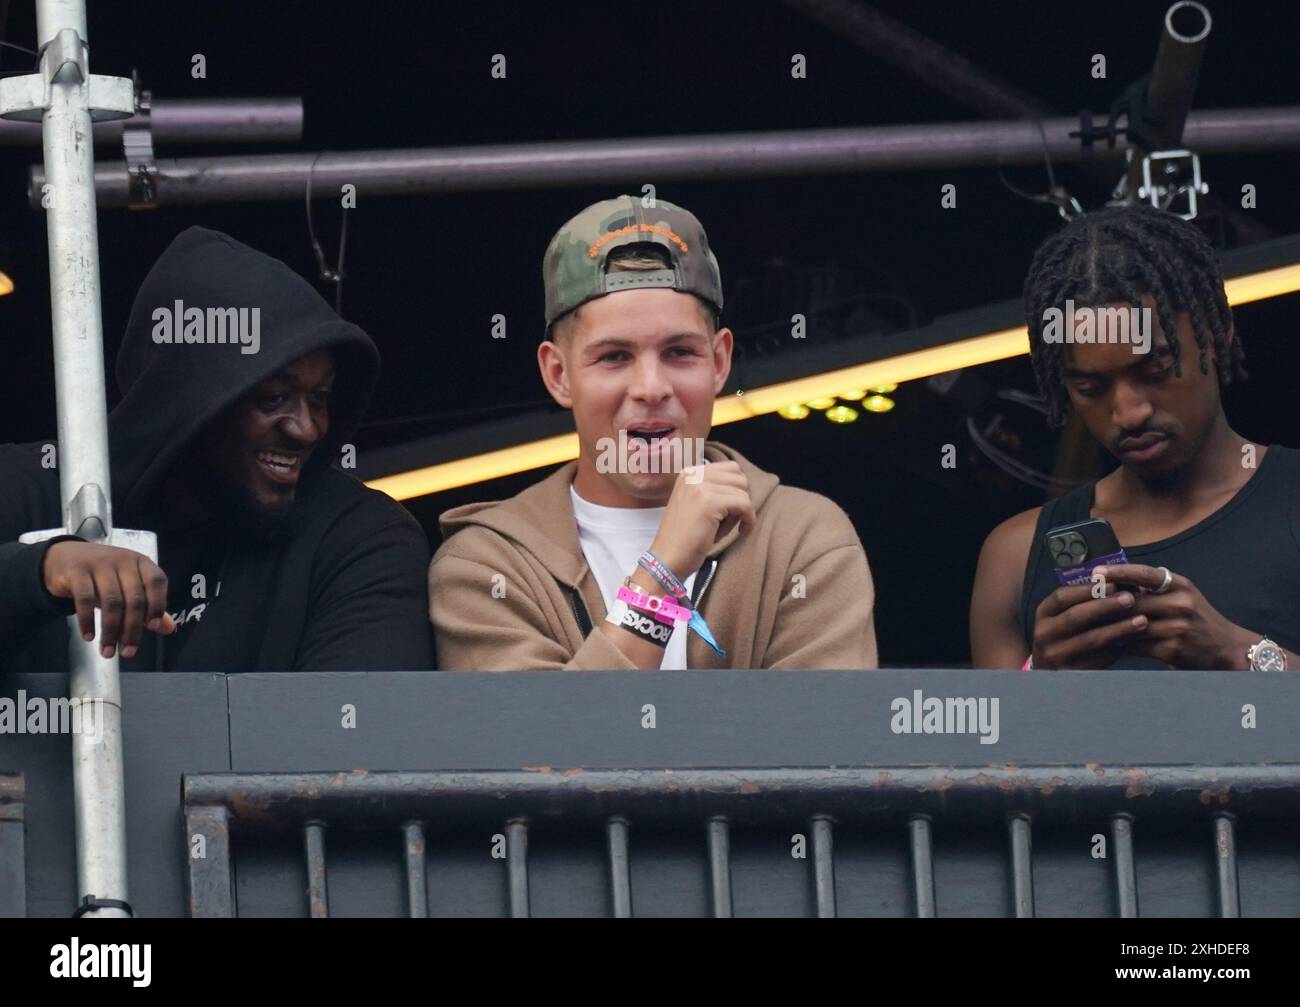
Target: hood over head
172 390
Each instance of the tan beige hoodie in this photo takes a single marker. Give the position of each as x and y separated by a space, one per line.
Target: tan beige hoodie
510 590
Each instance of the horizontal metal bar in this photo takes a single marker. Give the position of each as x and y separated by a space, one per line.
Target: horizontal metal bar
712 157
190 120
919 56
759 795
12 789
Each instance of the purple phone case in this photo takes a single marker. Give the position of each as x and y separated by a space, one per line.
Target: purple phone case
1082 574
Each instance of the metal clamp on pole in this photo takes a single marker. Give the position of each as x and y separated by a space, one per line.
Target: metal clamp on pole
63 62
66 98
137 149
88 514
1169 174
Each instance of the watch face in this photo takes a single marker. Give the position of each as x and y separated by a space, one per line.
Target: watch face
1269 657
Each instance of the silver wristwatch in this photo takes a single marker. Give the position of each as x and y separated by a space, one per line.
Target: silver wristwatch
1266 656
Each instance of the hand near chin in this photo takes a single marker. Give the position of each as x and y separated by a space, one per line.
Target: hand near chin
707 502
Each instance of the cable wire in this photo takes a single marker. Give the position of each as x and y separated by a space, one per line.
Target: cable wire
333 275
1013 466
1066 205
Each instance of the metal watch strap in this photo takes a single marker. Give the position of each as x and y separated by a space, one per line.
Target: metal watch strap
1266 655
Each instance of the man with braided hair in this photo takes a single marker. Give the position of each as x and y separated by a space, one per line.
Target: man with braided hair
1209 522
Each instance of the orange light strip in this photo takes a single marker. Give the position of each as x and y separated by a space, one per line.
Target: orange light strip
912 366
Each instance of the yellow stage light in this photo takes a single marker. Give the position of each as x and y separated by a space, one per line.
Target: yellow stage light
841 414
878 403
1259 286
6 285
904 367
478 468
794 412
821 402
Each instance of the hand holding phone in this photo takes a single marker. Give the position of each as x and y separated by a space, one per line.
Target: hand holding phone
1076 549
1082 624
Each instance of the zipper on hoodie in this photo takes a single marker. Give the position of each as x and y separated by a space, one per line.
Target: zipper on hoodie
580 613
697 598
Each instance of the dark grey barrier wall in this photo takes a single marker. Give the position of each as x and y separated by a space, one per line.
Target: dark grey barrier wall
174 724
1229 741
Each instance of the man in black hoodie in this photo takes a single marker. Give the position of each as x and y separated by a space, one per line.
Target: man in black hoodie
223 444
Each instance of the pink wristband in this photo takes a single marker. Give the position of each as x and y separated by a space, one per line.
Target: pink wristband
664 609
1029 664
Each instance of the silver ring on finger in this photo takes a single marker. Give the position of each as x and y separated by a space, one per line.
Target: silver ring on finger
1166 583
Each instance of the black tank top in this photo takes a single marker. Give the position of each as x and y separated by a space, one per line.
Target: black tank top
1245 557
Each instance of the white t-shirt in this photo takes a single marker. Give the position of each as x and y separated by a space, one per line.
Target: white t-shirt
612 539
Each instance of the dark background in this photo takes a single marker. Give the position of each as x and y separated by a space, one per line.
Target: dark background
425 274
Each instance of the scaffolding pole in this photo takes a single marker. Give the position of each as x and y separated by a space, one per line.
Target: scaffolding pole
191 120
1172 86
714 157
64 96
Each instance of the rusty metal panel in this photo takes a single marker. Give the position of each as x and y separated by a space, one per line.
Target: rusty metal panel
209 887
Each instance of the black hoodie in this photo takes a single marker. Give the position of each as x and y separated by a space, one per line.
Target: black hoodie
345 589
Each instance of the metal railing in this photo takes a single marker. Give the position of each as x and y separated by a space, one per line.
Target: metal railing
395 806
754 793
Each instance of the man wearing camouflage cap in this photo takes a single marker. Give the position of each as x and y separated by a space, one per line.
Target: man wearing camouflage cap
655 549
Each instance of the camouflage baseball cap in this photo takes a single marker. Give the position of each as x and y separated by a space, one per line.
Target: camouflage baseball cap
574 269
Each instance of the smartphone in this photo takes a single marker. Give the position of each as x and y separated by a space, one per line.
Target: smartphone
1075 549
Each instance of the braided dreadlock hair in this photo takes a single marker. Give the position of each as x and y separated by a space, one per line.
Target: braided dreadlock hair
1114 256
